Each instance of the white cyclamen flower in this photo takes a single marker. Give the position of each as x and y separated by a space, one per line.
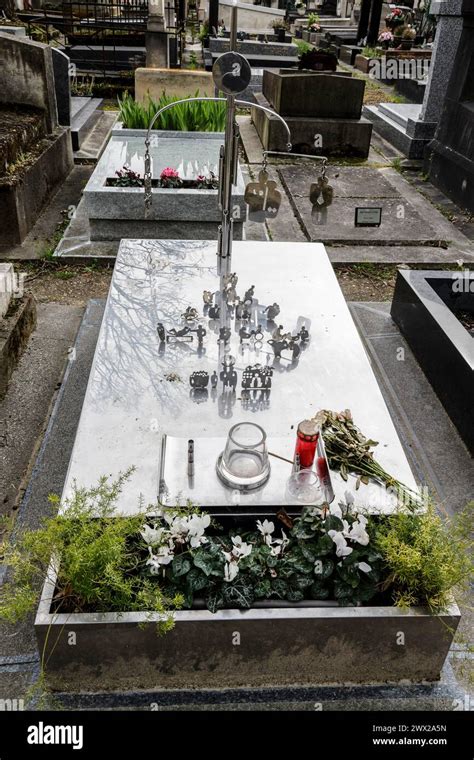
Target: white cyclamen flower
230 571
240 548
266 527
342 550
162 557
358 532
197 524
152 536
364 567
279 544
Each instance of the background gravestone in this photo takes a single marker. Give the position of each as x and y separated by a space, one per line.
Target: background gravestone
27 76
62 87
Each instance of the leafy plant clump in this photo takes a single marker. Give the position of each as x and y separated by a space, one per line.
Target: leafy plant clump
425 558
196 116
126 177
96 557
325 554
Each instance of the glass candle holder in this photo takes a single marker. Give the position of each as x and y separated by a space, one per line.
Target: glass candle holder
304 486
244 463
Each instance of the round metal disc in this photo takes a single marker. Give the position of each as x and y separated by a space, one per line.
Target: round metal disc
231 73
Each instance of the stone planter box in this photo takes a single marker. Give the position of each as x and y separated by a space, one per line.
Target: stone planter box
281 644
117 212
22 198
316 94
348 53
363 63
442 346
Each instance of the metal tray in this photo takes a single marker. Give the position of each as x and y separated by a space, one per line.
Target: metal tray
206 490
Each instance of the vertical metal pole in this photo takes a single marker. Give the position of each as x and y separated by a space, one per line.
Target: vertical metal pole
224 236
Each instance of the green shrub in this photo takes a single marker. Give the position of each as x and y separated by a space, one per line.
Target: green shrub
425 557
198 116
98 567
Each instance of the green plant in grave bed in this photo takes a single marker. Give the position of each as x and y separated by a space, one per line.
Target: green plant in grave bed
197 116
98 561
426 558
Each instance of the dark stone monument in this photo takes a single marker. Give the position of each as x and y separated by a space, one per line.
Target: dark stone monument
451 160
322 109
62 86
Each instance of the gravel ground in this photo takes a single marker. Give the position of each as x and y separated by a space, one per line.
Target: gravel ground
75 285
72 285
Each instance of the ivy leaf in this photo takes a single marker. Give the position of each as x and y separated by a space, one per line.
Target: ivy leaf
323 568
181 565
333 523
325 545
239 593
319 591
214 599
203 561
196 579
263 589
294 595
308 551
303 581
279 588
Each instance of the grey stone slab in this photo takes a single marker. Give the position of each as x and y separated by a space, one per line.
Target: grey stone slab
433 445
401 112
25 407
340 227
351 182
96 139
395 133
397 254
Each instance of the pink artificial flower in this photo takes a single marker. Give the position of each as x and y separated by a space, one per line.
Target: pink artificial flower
169 173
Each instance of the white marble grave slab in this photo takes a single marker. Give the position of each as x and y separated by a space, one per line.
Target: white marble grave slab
137 391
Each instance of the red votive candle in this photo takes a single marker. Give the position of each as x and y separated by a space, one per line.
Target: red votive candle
306 442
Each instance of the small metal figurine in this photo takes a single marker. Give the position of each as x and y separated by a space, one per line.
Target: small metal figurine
200 333
278 334
161 332
304 334
184 333
272 312
224 335
262 198
294 348
199 379
257 376
255 336
230 280
248 297
190 315
242 313
231 297
207 297
214 379
214 312
278 346
228 375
